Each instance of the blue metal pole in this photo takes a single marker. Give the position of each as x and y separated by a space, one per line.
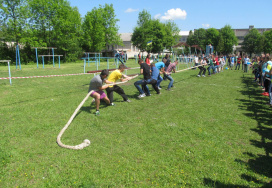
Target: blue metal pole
59 61
53 57
16 57
43 61
19 57
96 64
9 74
108 66
84 64
37 58
88 60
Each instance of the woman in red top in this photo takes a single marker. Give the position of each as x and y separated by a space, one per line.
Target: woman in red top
147 60
238 62
216 64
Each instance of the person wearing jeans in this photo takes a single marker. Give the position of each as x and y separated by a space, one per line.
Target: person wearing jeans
171 68
145 70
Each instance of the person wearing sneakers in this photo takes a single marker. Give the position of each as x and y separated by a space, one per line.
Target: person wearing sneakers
267 76
171 68
203 62
113 77
270 88
145 70
97 86
161 67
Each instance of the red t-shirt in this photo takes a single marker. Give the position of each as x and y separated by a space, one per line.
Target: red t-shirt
147 61
239 60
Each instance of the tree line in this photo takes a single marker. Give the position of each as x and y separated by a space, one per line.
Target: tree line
50 23
224 39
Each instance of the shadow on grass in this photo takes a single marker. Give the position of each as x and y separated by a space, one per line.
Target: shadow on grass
256 109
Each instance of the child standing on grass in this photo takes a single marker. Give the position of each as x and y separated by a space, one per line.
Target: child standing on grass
96 85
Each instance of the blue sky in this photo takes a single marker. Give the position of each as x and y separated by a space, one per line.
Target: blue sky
187 14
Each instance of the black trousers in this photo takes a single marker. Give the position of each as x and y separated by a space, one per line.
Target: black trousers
153 82
202 69
266 84
116 89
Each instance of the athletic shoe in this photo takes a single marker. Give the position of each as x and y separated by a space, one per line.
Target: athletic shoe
169 89
112 104
159 87
127 100
158 93
203 75
148 95
198 75
97 113
141 95
266 94
93 100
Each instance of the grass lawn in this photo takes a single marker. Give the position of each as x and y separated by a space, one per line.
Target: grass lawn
208 132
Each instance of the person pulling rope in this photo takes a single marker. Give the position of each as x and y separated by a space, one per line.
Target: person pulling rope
86 142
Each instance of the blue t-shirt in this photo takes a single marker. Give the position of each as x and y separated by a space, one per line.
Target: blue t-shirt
155 73
232 60
160 65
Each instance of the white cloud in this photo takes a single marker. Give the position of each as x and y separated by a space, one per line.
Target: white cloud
174 14
131 10
206 25
157 16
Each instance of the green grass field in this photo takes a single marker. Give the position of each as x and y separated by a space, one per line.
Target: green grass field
209 132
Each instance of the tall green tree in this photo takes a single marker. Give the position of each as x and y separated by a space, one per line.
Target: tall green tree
267 41
212 37
42 15
110 25
162 35
142 33
100 28
66 32
229 39
94 36
13 18
220 45
172 34
252 41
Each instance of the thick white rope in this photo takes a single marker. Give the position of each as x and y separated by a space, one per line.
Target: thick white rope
190 68
86 142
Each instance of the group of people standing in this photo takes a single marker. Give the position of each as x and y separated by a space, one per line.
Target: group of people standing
262 69
151 75
213 63
236 61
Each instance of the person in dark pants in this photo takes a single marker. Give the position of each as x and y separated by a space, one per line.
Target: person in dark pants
113 77
202 68
145 70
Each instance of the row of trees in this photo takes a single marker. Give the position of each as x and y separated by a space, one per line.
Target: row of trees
50 23
224 39
254 42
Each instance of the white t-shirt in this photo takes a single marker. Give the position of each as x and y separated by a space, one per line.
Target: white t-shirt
196 59
246 60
